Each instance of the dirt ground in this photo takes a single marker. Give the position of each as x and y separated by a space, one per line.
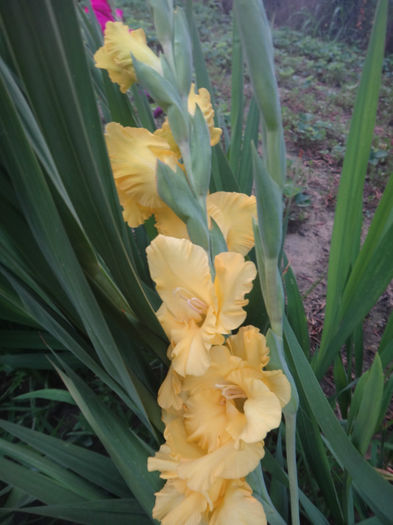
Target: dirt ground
307 247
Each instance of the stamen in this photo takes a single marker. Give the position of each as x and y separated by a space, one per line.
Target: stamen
231 391
196 304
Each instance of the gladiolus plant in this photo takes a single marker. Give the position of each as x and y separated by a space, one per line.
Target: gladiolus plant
146 254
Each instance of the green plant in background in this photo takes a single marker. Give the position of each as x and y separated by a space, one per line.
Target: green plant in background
75 288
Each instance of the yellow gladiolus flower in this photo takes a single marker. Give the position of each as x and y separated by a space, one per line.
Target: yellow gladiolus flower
202 99
234 399
197 312
115 54
134 153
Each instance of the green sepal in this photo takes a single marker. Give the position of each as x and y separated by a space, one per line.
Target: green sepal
163 19
217 240
270 207
179 123
175 191
278 362
201 153
182 53
159 88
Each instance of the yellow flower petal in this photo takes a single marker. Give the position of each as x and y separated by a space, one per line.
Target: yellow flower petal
165 133
163 461
202 99
206 418
233 212
175 505
181 272
134 153
227 462
169 392
277 382
250 345
133 213
233 281
237 506
262 408
115 54
168 223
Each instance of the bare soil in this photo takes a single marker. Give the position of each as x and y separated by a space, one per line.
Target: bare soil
307 247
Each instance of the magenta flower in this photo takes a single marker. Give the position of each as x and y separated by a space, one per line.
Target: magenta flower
103 12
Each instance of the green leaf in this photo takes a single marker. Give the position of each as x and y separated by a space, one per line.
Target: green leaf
245 175
223 178
87 464
41 487
271 465
237 102
101 512
369 484
60 91
28 340
368 406
295 310
63 477
348 217
126 450
53 394
386 345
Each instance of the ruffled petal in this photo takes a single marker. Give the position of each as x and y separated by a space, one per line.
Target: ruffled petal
227 462
177 505
115 54
233 281
202 99
238 506
169 392
277 382
181 272
133 213
250 345
233 212
262 408
142 52
168 223
134 153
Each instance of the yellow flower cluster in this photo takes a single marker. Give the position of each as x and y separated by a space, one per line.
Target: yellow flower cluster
218 401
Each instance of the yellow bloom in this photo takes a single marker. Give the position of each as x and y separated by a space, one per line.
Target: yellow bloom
197 312
202 99
115 54
233 400
134 153
233 213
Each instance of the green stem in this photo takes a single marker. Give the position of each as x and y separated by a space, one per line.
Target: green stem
290 442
